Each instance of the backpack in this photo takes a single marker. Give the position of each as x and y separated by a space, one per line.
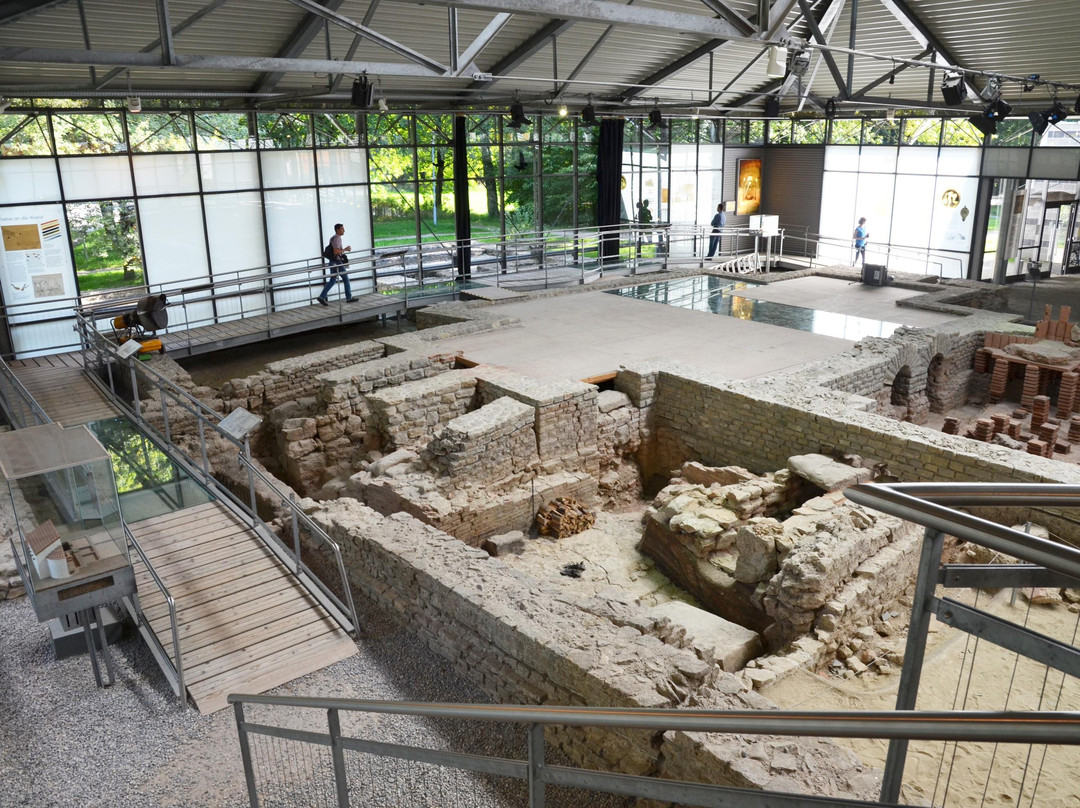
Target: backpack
328 252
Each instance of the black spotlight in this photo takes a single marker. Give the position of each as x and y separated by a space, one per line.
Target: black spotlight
984 123
772 107
830 108
655 118
997 110
953 90
362 91
588 114
1041 120
148 316
1038 122
518 118
1076 106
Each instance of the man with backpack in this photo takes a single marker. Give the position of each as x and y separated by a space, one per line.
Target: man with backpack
339 266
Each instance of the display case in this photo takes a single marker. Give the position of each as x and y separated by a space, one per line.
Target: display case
70 544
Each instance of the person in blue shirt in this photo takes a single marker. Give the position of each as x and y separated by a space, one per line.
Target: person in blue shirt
718 222
861 236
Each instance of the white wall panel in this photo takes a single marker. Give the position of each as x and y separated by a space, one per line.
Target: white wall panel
28 180
342 166
104 177
229 171
295 237
234 223
166 174
288 169
173 240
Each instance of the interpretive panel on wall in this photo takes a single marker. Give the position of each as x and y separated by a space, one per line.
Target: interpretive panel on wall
748 191
35 264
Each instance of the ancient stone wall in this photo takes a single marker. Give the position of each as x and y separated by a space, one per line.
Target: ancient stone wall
522 643
618 439
493 447
407 415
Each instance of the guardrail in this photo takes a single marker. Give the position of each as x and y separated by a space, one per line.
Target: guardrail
880 252
174 669
99 355
339 768
21 407
1049 564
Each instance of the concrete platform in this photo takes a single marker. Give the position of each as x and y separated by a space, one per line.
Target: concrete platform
584 335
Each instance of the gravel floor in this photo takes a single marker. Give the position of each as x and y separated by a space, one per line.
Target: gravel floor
65 742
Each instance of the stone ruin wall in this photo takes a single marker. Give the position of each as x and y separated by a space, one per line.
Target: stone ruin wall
522 642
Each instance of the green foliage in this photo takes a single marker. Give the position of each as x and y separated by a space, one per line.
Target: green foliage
154 132
24 135
224 131
105 236
109 279
89 133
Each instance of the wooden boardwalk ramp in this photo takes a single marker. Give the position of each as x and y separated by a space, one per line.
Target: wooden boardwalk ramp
245 623
62 390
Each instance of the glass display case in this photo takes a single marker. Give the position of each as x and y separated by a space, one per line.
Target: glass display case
70 544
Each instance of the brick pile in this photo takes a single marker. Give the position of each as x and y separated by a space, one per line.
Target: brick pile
1040 411
1067 400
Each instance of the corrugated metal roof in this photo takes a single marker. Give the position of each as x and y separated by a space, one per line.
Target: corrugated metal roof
1013 37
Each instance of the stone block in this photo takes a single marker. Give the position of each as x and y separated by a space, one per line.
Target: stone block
505 543
826 473
730 644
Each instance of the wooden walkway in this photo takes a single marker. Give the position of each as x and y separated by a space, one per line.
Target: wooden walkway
62 390
246 625
257 327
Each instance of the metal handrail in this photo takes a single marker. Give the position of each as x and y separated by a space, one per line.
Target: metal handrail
1002 727
908 501
912 251
178 665
10 377
316 531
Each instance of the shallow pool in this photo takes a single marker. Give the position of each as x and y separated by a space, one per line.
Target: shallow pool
721 296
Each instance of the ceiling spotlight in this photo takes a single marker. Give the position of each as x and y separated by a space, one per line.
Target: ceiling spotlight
382 105
362 90
695 114
655 118
799 63
772 107
1041 120
777 67
998 110
563 111
518 118
588 114
984 123
134 103
953 90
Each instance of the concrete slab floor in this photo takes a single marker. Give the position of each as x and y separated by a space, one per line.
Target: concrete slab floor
578 336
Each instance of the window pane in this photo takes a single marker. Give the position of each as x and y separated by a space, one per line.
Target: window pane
391 165
436 163
223 131
735 133
341 166
436 130
779 132
174 240
1012 132
520 205
285 169
89 133
393 207
335 129
483 129
881 133
557 130
95 177
24 135
389 130
105 238
811 132
558 202
961 132
558 159
683 131
922 131
844 132
436 211
234 224
282 130
482 161
29 180
229 172
166 174
152 132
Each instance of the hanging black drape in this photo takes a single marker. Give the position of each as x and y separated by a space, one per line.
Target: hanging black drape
462 222
609 189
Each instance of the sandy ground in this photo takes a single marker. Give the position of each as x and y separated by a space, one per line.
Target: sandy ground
959 673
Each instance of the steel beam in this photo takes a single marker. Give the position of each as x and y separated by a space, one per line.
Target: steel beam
922 34
839 79
721 9
482 40
1002 576
523 52
896 71
354 46
168 55
602 11
215 62
21 8
313 7
296 44
781 8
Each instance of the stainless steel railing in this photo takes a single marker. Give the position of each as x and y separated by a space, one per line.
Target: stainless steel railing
100 356
356 770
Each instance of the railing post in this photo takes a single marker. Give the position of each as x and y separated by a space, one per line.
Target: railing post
202 443
340 778
165 413
251 482
135 390
245 755
914 653
295 531
536 766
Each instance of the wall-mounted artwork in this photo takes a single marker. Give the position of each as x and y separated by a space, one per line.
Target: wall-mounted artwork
748 191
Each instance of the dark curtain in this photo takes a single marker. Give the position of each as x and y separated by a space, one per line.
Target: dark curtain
462 220
609 191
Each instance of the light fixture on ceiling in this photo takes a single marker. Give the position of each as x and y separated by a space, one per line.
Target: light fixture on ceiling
134 103
563 111
830 108
772 107
985 124
382 105
518 118
362 90
799 63
953 89
588 113
1041 120
695 114
777 67
998 109
655 118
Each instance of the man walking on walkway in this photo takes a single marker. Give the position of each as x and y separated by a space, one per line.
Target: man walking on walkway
719 221
339 266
